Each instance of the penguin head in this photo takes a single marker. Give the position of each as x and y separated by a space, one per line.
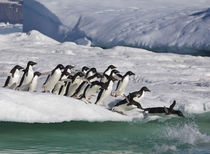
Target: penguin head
80 74
37 73
179 113
130 73
69 67
145 89
111 67
31 63
85 69
60 66
93 70
114 72
18 67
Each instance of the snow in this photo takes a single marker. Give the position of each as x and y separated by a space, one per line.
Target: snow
180 26
169 76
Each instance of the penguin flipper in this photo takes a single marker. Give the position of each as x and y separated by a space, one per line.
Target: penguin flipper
21 81
99 96
7 81
47 79
172 105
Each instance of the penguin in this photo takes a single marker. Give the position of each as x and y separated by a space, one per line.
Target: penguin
34 82
72 86
84 84
92 89
67 71
131 101
104 93
90 72
122 84
27 76
13 77
60 83
85 69
107 72
52 78
164 110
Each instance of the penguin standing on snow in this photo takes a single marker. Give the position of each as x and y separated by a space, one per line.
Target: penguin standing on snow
122 84
80 90
64 76
27 76
52 78
107 72
34 82
13 77
104 93
74 84
131 101
92 89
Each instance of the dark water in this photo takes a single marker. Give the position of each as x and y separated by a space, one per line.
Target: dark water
174 135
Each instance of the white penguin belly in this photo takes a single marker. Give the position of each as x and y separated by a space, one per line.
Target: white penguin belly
53 80
124 107
74 86
105 94
91 91
33 84
14 80
28 78
122 86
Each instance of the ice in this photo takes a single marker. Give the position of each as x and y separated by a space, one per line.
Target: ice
183 78
180 26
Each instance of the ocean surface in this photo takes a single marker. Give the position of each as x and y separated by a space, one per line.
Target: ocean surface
163 135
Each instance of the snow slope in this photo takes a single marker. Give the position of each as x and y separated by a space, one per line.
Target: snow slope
180 26
168 76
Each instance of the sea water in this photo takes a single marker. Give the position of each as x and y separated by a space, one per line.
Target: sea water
163 135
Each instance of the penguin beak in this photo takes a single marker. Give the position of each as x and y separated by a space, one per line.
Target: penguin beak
20 67
33 63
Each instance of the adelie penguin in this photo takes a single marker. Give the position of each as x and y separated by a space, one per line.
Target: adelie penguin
72 86
164 110
27 76
80 90
104 93
52 78
108 71
13 77
56 90
92 89
85 69
122 84
131 101
34 82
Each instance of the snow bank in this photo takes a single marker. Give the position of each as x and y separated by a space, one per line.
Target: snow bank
47 108
168 26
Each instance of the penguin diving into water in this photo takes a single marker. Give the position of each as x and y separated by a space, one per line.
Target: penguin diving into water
52 78
27 76
131 101
13 77
164 110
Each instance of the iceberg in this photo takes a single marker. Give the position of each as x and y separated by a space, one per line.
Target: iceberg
180 26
